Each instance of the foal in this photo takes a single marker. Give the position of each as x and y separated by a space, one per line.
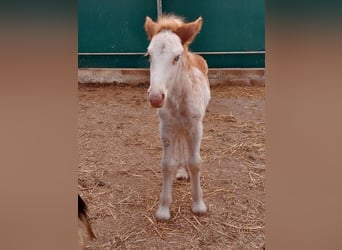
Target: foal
179 88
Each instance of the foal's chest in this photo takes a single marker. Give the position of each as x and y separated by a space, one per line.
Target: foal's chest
176 116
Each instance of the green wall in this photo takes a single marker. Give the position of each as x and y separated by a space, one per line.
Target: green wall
107 26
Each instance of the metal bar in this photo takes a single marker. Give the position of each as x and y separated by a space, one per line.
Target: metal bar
143 53
159 8
229 52
111 53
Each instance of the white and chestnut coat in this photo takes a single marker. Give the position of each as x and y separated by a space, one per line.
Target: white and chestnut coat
179 88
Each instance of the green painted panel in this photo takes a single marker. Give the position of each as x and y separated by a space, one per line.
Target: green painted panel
228 25
109 61
107 26
113 26
236 61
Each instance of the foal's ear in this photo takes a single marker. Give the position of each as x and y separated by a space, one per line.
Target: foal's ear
187 32
150 27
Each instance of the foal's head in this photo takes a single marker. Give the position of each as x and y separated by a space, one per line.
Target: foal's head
170 37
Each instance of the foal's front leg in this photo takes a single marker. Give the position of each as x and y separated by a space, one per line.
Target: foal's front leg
168 165
194 161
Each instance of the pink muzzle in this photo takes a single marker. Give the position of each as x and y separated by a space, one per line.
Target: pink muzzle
156 100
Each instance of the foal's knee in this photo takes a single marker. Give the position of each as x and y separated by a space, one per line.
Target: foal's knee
168 165
194 163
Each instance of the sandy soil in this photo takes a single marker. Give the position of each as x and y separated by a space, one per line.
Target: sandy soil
120 176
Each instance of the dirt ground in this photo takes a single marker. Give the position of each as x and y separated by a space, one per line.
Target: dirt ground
119 173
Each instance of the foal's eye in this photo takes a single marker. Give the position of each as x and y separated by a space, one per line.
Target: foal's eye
176 59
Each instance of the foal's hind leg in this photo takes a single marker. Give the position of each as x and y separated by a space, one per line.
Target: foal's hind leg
168 165
182 173
194 161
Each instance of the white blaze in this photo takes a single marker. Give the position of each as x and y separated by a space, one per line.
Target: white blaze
163 49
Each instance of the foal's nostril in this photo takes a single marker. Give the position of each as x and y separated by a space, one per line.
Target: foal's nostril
163 96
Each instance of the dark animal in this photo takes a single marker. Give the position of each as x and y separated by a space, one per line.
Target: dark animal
84 229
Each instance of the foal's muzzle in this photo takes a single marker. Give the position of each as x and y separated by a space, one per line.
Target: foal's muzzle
156 100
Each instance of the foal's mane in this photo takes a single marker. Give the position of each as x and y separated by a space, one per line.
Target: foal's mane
169 22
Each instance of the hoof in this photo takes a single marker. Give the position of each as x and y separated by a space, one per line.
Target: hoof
163 214
182 175
199 208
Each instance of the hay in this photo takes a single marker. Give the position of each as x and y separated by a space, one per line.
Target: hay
120 176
